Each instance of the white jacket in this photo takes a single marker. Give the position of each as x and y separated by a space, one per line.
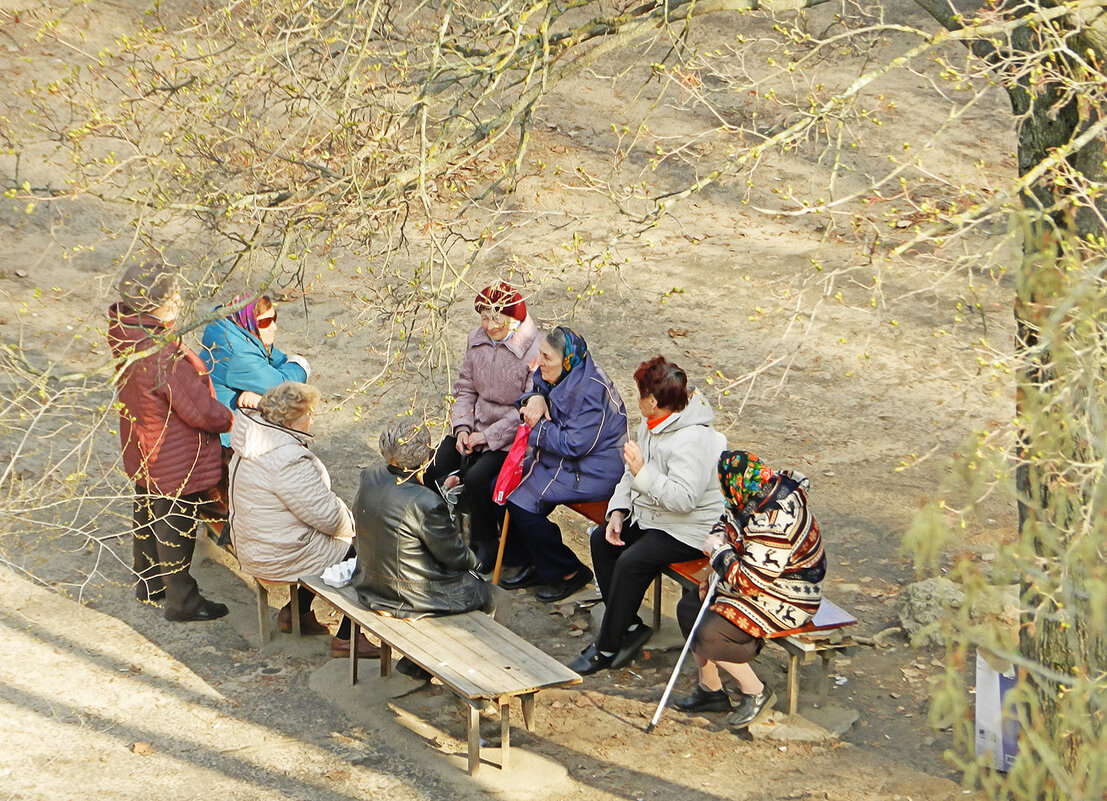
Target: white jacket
285 521
677 489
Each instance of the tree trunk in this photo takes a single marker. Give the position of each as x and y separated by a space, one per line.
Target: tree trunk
1061 317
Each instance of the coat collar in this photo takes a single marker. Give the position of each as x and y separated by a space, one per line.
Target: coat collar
253 435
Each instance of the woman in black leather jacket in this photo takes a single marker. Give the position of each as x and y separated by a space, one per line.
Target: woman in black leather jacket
411 559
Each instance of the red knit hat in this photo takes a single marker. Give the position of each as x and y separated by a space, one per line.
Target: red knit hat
502 298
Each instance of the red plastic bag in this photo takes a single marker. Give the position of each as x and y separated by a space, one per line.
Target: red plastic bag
511 474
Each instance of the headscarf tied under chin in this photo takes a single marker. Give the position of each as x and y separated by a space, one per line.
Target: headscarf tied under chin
245 318
742 477
575 350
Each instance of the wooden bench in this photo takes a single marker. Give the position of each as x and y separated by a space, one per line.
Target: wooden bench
820 637
472 654
216 531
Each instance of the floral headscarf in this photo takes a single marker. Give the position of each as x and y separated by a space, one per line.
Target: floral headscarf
743 476
575 350
245 318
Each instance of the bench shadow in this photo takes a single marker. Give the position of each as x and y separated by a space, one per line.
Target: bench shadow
176 748
288 712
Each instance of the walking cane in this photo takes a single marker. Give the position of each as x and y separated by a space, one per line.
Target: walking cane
687 645
500 550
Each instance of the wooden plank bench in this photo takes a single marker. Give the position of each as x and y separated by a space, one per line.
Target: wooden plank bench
472 654
820 637
216 529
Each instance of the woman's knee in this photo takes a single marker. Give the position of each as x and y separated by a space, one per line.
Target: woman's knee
638 558
526 517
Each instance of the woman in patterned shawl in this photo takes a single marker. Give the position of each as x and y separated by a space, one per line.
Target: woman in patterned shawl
769 556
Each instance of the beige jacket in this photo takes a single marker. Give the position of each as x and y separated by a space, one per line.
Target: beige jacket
285 521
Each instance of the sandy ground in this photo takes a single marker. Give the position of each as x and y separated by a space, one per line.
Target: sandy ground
100 697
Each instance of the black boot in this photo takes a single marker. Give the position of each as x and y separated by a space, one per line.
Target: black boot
751 709
701 700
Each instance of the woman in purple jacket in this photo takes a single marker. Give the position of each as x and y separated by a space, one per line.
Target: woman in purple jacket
495 372
579 425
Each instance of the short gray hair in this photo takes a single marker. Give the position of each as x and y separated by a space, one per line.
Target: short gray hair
287 402
406 442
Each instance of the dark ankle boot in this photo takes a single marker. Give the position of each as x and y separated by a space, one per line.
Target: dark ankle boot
701 700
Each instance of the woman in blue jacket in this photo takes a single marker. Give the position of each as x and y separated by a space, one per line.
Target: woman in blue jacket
579 425
243 362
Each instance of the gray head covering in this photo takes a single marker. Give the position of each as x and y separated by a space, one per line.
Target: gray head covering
147 284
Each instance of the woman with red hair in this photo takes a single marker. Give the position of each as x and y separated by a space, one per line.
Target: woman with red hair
660 512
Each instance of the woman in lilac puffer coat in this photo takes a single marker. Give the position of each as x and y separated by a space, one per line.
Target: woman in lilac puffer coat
495 372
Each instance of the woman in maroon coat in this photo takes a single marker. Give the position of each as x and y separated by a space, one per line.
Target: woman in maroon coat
169 428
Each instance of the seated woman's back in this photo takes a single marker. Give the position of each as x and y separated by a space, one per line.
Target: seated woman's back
411 558
285 521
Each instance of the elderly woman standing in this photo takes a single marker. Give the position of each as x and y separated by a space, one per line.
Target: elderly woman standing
285 521
242 358
169 424
579 425
670 497
769 556
495 372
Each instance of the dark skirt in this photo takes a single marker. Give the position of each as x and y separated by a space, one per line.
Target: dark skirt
717 639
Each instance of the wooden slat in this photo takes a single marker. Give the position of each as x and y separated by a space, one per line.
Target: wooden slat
834 617
475 668
479 652
831 616
596 511
512 657
688 574
470 653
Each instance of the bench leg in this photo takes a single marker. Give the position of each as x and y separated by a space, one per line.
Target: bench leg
263 612
294 606
793 683
505 731
824 678
657 603
474 738
386 660
355 629
527 702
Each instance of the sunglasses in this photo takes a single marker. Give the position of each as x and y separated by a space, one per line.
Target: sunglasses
265 322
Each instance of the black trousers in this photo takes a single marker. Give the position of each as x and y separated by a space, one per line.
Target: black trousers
625 572
478 471
534 539
164 537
